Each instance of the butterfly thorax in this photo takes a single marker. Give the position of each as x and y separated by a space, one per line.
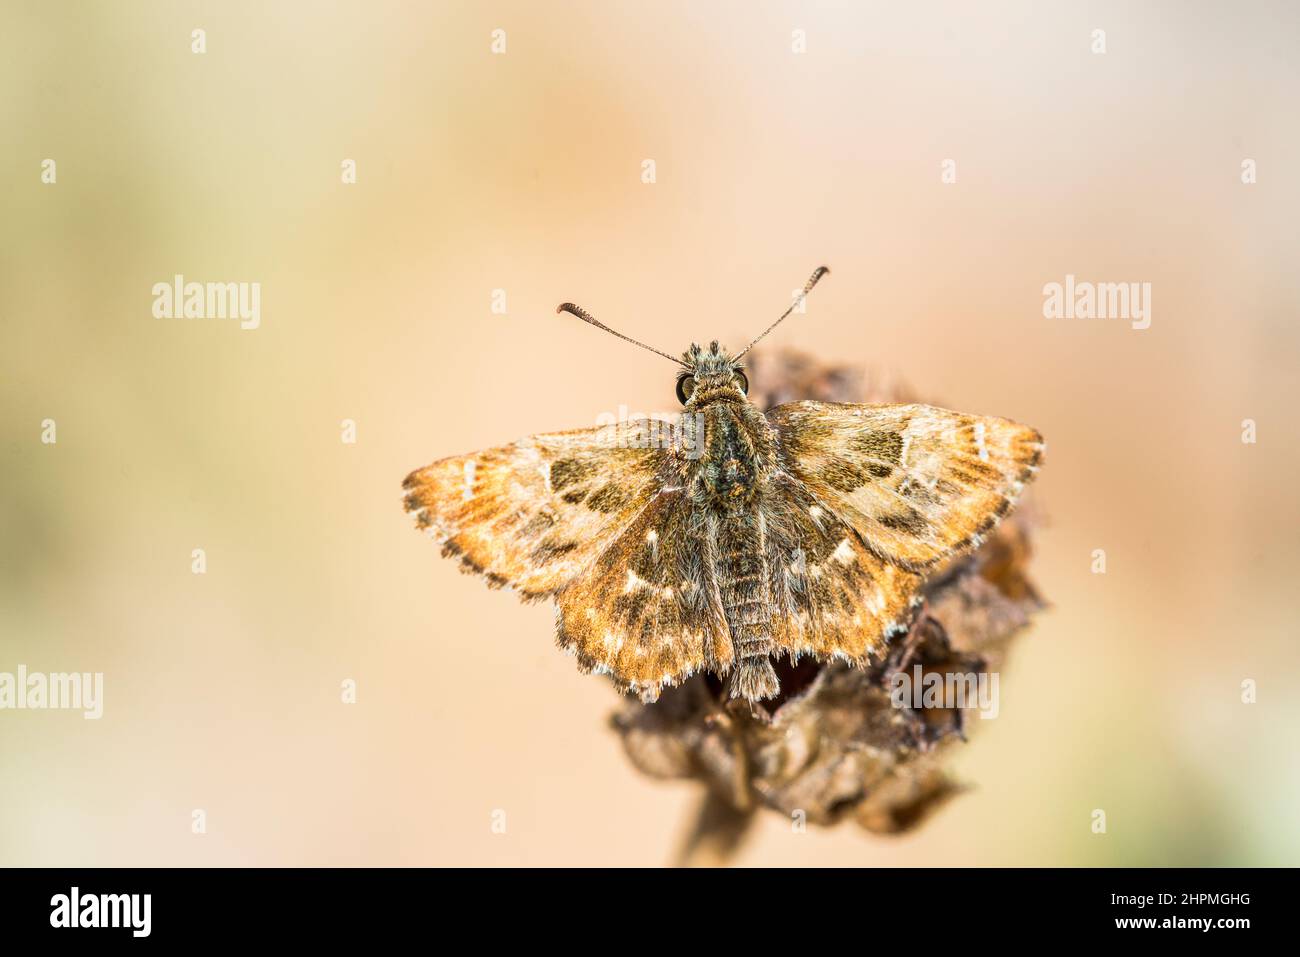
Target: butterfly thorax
736 449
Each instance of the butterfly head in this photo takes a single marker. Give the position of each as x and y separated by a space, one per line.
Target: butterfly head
710 375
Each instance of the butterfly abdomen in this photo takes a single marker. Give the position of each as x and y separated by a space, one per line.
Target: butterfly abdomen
744 581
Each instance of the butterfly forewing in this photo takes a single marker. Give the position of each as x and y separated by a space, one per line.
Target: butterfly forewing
917 483
537 513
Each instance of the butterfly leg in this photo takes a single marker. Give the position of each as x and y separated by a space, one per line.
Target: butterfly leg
902 656
909 652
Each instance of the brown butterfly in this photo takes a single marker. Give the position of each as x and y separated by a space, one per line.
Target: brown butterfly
732 536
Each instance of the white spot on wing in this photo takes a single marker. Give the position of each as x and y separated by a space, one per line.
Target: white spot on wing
815 512
468 492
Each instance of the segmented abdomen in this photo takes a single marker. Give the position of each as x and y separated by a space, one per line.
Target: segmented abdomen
743 581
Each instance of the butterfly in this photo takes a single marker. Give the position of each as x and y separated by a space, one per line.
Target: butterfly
734 536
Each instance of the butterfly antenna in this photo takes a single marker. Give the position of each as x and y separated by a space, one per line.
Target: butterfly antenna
798 300
585 316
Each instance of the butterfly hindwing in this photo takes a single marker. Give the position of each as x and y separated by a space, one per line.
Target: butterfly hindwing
534 514
831 596
647 611
918 483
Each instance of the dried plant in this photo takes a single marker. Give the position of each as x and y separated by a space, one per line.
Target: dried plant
833 746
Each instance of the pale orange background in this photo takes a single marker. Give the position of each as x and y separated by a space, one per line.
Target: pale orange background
522 172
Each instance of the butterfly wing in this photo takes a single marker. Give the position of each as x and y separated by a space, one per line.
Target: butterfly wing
648 611
831 596
917 483
533 515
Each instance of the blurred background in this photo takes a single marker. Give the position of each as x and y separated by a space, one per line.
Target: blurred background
522 171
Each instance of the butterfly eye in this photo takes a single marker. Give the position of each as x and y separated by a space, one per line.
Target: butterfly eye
685 386
742 382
